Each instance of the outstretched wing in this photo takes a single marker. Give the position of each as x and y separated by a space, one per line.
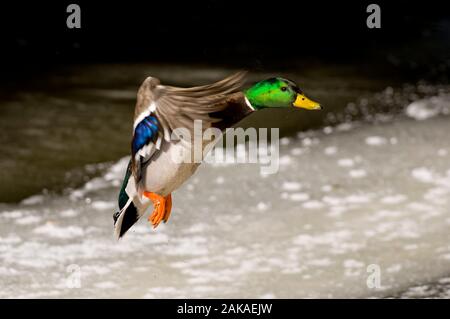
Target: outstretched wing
180 107
160 109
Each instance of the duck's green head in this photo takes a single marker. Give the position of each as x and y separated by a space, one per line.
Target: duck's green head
278 92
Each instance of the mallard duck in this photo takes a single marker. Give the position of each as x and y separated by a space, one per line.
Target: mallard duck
153 173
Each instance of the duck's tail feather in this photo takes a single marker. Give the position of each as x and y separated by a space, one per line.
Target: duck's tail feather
132 205
125 218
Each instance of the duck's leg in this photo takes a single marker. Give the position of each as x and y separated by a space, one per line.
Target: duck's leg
159 208
168 208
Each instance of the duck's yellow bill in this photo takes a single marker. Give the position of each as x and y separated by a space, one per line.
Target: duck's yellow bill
303 102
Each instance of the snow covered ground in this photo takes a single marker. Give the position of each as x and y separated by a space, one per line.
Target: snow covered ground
347 200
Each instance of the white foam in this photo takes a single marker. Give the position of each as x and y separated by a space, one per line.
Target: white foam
330 150
262 206
69 213
346 162
52 230
314 204
427 108
352 263
394 199
220 180
106 285
291 186
33 200
357 173
299 197
12 214
297 151
28 220
102 205
423 174
375 140
285 141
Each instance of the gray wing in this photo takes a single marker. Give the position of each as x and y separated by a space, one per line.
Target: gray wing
175 107
180 107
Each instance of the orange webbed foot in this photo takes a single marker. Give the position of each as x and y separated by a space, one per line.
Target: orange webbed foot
161 208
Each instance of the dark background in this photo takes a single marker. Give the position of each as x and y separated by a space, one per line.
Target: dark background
250 34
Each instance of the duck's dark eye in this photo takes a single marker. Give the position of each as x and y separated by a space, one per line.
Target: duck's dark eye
283 88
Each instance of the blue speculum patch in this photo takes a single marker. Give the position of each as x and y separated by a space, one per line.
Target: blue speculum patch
146 130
